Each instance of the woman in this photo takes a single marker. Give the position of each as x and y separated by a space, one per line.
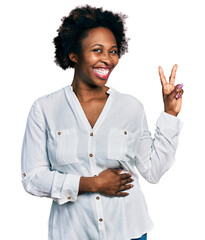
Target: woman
83 143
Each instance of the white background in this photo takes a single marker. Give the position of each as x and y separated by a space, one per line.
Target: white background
162 33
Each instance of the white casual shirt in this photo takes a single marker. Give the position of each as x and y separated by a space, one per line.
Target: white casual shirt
60 146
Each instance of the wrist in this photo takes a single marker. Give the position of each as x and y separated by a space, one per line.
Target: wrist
168 111
88 184
171 113
96 184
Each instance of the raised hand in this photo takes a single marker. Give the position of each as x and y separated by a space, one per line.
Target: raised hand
172 95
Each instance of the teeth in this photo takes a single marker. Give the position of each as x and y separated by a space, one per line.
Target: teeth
101 71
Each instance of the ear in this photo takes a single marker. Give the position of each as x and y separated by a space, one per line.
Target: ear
73 57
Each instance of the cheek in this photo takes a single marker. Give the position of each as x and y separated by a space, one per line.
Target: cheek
91 58
116 61
94 59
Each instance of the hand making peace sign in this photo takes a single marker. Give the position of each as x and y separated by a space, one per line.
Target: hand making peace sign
172 95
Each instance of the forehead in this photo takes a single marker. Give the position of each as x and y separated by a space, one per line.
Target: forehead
99 35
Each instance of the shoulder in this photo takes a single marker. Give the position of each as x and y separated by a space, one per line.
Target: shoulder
50 102
129 101
52 99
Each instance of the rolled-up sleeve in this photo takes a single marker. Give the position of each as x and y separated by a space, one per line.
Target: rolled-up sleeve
154 156
37 177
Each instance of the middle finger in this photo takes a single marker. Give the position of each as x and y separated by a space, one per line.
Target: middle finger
125 176
125 181
173 74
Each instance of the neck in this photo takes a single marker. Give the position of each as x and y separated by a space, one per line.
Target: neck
86 92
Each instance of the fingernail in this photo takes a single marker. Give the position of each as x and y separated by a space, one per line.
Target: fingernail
180 86
177 96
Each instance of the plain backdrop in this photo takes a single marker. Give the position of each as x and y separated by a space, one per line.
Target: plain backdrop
161 33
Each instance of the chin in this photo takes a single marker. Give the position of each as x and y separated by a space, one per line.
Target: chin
101 83
98 83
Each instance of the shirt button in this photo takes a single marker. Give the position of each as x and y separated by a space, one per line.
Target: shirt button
68 198
97 198
59 133
24 174
100 220
90 155
91 134
125 132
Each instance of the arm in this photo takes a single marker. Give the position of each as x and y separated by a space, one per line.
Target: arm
155 156
37 178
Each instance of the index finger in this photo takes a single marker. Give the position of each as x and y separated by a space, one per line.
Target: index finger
116 170
173 74
125 176
162 77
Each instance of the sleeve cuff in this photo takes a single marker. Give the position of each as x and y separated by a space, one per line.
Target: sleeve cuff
70 189
169 125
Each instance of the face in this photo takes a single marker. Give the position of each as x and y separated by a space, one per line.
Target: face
98 57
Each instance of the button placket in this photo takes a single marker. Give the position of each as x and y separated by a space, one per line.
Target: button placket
99 212
91 145
91 153
92 160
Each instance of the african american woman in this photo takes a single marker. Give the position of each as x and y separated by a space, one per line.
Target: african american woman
83 144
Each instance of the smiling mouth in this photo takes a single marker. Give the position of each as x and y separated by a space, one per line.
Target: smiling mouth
102 73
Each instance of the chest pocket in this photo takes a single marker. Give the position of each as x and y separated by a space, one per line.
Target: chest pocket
120 145
62 146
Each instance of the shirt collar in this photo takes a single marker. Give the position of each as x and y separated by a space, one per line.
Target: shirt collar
70 87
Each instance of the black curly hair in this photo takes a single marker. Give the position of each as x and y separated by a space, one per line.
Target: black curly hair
75 26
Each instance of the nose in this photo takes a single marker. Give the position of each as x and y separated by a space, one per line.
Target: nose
105 58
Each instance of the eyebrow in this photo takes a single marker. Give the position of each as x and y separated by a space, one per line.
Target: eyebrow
100 45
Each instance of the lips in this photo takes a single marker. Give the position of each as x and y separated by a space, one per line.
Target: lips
102 73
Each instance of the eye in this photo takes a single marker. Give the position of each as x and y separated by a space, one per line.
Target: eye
97 50
113 52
